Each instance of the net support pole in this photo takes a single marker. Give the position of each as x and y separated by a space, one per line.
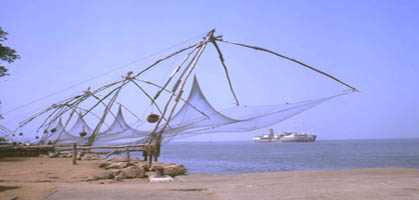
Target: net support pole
128 156
187 72
74 153
150 156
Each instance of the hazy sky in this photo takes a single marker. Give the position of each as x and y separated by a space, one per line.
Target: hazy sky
372 45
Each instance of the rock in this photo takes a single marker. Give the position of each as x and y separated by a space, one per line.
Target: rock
103 164
108 174
149 174
79 155
53 155
131 172
66 155
136 160
142 165
119 165
163 164
91 156
174 170
120 159
43 156
61 156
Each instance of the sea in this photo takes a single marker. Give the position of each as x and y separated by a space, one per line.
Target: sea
251 157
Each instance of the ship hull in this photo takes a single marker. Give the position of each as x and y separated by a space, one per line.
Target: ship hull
298 140
293 137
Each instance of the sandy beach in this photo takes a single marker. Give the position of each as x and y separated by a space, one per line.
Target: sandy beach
57 178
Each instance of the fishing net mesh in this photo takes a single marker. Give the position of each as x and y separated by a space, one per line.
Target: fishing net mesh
195 117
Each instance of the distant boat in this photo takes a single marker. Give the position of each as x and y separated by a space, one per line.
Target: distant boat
285 137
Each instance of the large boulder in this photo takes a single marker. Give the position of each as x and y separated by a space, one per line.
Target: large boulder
150 173
143 165
53 155
119 165
108 174
68 155
91 156
162 164
174 170
132 172
102 164
120 159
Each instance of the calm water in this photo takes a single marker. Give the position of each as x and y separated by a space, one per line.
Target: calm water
249 157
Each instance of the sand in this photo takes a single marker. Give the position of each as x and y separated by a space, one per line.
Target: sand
57 178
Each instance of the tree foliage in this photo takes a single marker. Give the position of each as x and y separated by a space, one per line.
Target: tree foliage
7 54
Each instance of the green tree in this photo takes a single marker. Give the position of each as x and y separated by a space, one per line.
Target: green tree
7 54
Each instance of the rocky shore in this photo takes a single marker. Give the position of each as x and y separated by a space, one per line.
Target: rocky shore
56 178
119 168
33 177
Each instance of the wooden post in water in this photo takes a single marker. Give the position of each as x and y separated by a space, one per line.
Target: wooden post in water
74 153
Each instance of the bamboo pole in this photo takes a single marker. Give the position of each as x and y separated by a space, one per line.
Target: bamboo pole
101 147
148 96
110 153
153 133
290 59
165 58
177 69
108 107
220 55
188 71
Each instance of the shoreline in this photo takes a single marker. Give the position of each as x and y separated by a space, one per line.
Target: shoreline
35 178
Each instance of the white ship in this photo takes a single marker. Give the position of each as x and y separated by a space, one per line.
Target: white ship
285 137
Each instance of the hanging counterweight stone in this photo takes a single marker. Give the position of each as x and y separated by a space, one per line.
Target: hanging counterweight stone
83 133
53 130
153 118
20 134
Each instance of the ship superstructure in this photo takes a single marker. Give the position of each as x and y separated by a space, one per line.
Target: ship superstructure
285 137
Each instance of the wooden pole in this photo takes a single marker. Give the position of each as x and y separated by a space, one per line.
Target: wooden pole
145 154
74 153
97 147
220 55
290 59
110 153
150 156
188 70
128 156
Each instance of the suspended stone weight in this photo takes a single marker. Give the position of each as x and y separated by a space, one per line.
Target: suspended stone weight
20 134
53 130
13 135
153 118
36 137
45 131
83 133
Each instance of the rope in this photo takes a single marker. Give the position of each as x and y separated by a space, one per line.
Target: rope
100 75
